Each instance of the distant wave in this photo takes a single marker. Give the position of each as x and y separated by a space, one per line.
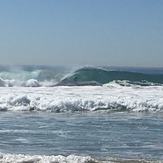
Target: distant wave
98 76
37 77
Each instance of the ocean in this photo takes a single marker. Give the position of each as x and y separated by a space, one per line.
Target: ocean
52 114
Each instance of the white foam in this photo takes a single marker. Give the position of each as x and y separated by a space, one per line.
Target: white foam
11 158
21 158
31 83
88 98
27 83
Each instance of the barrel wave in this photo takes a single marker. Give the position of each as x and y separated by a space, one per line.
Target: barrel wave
99 76
93 76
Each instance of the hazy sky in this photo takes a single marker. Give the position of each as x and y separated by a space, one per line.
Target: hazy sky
81 32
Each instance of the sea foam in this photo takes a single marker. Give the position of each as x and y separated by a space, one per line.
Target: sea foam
21 158
110 97
11 158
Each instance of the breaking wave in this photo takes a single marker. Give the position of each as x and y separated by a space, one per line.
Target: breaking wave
30 76
111 97
21 158
99 76
37 76
10 158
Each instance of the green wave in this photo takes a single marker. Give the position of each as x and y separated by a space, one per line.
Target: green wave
99 76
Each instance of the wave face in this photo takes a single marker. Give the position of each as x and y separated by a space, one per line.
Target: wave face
36 76
98 76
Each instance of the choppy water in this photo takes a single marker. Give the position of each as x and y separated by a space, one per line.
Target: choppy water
99 135
118 120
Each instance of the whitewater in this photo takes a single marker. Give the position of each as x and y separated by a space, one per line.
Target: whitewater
83 115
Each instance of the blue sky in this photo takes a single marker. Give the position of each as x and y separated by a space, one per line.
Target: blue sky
82 32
